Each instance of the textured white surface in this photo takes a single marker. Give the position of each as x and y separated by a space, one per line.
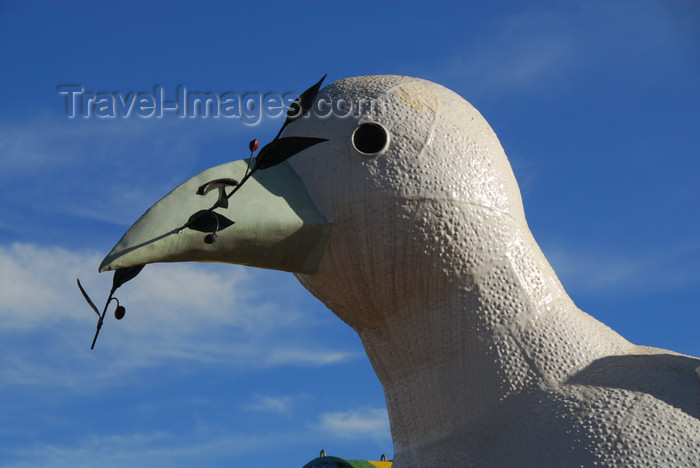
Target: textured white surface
484 359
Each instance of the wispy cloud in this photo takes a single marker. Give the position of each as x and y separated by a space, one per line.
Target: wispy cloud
370 423
643 273
516 54
308 356
281 404
210 314
204 444
147 449
539 50
105 169
499 65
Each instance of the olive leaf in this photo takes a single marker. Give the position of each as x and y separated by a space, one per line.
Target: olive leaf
303 103
122 275
281 149
87 298
208 221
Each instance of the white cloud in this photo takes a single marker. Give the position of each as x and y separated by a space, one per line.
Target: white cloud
38 284
33 283
500 64
362 423
214 444
311 357
50 142
273 404
543 49
643 272
211 314
106 170
146 449
516 54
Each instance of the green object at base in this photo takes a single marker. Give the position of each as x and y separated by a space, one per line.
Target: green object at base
361 464
328 462
335 462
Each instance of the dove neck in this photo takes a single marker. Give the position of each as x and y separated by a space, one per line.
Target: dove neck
450 361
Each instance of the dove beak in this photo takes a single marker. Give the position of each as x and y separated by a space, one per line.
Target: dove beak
270 222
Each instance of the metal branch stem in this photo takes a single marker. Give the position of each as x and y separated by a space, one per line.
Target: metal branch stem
102 318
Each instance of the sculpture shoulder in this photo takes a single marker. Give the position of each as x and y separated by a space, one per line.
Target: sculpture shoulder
609 425
640 409
636 418
643 369
651 374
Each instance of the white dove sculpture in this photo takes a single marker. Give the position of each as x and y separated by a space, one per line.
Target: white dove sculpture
407 223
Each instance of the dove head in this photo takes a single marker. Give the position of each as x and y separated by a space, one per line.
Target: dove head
417 187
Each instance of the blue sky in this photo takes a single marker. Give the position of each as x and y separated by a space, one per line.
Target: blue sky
595 103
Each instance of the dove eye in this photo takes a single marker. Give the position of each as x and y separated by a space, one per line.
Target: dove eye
370 140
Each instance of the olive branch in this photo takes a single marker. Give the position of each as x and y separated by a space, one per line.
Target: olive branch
275 152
